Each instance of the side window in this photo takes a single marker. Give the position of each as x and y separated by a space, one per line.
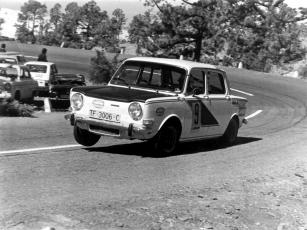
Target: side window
178 77
25 74
55 70
156 77
144 79
52 70
196 81
216 84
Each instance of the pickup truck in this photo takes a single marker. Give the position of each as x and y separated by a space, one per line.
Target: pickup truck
52 84
162 101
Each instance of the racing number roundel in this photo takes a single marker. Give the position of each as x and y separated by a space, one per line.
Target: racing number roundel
196 115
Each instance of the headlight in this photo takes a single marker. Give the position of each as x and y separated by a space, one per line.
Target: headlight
7 86
76 101
135 111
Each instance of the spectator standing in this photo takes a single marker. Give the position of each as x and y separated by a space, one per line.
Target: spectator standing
43 55
3 48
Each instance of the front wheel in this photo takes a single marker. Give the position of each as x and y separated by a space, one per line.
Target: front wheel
166 140
85 137
231 133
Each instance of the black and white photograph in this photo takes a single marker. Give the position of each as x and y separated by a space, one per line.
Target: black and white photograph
153 115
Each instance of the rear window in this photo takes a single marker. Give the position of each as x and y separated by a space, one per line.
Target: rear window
37 68
11 72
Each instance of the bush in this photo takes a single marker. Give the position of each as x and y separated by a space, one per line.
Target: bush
88 45
102 69
11 107
303 71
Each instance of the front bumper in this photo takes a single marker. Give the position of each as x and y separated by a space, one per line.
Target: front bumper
132 131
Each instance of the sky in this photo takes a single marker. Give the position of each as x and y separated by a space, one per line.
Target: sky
15 4
130 8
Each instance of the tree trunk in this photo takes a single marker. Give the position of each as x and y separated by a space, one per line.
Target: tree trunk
198 46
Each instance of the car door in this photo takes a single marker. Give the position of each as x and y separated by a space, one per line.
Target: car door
195 92
217 101
28 84
53 72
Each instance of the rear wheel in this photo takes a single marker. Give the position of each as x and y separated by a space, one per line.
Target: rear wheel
231 133
85 137
165 142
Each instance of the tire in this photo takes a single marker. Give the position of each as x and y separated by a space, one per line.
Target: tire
231 133
166 140
84 137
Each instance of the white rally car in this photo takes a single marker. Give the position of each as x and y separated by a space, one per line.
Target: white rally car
161 100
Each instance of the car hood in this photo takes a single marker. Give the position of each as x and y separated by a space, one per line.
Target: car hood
5 79
69 81
118 93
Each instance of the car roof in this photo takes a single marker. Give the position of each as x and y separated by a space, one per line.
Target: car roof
7 65
39 63
174 62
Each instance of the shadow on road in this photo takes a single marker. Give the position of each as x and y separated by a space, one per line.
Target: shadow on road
143 149
62 105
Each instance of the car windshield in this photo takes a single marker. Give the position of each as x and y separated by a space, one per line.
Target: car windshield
37 68
150 75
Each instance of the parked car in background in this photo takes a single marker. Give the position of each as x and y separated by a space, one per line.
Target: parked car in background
163 101
61 84
16 82
12 58
52 84
42 72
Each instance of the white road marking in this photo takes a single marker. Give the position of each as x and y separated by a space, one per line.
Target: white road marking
38 149
254 114
239 91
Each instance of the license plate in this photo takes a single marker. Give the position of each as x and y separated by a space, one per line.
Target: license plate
112 117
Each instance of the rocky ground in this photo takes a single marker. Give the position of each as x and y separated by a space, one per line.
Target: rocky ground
267 202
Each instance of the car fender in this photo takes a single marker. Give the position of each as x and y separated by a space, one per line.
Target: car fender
169 117
236 116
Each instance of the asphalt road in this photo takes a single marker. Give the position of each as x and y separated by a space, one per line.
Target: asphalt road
259 183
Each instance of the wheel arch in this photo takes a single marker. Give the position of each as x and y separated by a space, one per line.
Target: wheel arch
236 117
173 119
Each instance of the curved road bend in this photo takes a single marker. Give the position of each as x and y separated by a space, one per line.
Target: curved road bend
118 184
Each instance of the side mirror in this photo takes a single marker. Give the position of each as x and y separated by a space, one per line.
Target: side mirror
197 91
